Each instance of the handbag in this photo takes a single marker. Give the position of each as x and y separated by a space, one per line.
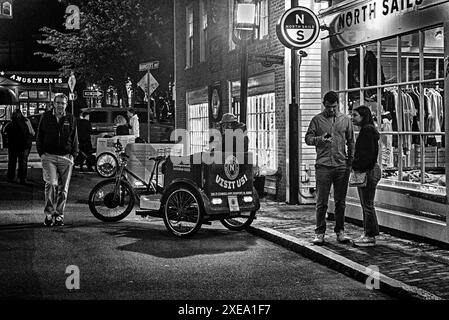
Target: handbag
357 179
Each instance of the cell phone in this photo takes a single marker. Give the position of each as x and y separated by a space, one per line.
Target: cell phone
327 135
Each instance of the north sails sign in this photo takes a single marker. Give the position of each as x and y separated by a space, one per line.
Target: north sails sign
372 10
298 28
32 80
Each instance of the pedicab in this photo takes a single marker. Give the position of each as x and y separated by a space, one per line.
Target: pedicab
186 192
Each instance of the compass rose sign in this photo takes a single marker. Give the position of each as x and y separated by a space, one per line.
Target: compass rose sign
298 28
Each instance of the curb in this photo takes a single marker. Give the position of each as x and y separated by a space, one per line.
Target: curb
341 264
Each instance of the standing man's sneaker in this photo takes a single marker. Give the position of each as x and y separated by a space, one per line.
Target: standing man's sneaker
59 221
319 239
48 222
342 238
364 241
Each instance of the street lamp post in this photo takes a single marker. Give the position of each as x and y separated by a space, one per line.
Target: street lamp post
244 22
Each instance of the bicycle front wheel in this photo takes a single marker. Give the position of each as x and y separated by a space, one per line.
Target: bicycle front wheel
109 205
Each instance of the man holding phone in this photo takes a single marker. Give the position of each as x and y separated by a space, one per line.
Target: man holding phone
329 131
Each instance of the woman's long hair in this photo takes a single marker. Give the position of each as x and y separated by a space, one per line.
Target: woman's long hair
120 120
365 113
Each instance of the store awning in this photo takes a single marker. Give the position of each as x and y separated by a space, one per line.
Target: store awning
7 97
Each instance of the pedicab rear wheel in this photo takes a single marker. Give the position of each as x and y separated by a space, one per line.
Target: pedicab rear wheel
239 223
108 206
182 211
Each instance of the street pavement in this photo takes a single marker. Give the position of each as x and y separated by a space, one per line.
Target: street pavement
401 267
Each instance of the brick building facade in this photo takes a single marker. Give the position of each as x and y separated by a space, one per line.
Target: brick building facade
207 64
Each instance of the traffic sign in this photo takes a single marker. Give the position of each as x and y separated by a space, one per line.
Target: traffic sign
72 96
298 28
145 66
72 82
93 94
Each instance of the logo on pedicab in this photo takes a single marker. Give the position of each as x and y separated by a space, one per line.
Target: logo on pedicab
231 167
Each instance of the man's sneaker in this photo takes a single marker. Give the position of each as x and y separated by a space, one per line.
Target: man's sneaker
364 241
48 222
59 221
342 238
319 239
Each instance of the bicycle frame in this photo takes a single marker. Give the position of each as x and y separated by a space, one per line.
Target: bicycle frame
150 186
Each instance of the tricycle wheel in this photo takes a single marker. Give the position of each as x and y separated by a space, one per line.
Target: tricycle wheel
108 206
106 165
238 223
182 212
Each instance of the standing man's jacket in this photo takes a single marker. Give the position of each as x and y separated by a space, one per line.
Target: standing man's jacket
57 138
332 154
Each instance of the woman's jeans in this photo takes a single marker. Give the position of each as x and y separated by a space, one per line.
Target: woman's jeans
367 195
325 178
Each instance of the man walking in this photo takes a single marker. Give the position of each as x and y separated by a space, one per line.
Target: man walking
57 145
329 131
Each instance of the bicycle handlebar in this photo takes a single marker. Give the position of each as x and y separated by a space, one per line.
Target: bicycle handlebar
158 158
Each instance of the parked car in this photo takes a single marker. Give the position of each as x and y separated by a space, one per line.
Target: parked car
102 120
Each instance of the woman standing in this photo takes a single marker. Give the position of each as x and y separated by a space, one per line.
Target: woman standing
365 160
122 126
20 135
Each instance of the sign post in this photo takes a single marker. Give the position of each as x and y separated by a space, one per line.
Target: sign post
72 83
147 66
297 28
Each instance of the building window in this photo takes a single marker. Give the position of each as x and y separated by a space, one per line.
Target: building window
203 34
401 79
261 126
198 126
262 19
189 36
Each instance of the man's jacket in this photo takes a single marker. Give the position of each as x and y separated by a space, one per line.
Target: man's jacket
340 151
57 138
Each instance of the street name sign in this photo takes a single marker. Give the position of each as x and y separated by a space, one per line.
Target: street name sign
298 28
150 65
93 94
266 60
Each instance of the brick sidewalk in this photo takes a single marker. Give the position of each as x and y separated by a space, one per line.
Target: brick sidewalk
416 264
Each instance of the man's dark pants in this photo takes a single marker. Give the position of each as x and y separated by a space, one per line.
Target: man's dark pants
325 178
20 156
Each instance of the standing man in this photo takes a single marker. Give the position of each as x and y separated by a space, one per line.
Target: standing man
329 131
57 145
133 122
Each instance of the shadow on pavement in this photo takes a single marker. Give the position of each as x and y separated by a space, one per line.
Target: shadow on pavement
155 240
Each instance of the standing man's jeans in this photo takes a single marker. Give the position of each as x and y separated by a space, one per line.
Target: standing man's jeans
57 171
325 177
367 195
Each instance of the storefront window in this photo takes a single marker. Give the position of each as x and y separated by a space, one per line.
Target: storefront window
403 83
198 121
261 126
